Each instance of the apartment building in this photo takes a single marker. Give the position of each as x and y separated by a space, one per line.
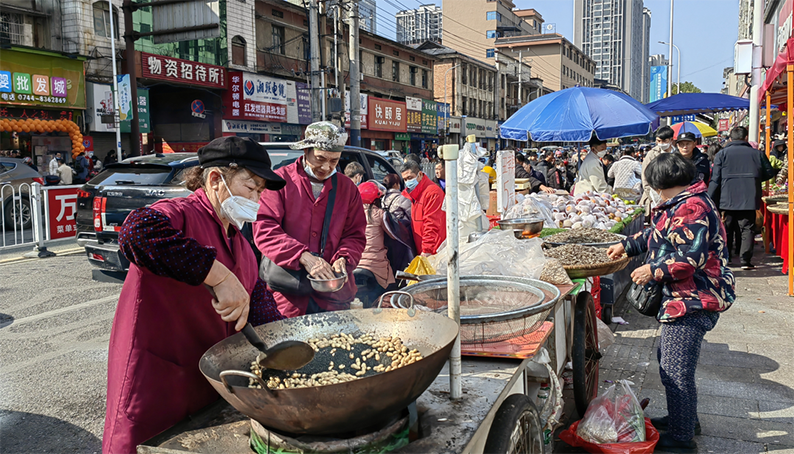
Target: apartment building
367 13
415 26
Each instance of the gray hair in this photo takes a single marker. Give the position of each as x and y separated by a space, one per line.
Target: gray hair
412 166
354 169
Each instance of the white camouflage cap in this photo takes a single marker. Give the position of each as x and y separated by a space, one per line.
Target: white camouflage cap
323 135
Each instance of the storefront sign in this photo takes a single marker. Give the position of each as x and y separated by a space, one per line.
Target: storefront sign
723 125
363 104
414 119
61 209
387 115
429 117
491 129
681 118
304 103
35 114
257 127
291 130
454 125
182 71
402 136
255 97
475 126
144 126
88 144
36 79
442 109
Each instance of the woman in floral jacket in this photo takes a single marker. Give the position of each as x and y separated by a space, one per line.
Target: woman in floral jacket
688 255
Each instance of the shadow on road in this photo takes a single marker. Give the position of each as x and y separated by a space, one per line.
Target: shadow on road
5 320
28 432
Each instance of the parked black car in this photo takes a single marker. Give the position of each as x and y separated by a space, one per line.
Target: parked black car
105 201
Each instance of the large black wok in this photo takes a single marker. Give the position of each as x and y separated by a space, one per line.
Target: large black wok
341 407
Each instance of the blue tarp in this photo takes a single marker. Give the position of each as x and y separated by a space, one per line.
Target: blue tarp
574 114
692 103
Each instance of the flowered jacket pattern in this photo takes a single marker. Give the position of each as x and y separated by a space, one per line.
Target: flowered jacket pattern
687 252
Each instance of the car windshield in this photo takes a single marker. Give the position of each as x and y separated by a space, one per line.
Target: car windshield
281 158
132 176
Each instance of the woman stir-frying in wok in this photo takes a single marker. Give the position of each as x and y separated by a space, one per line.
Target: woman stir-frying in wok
166 317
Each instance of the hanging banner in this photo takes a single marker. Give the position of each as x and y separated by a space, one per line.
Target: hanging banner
442 109
658 83
125 96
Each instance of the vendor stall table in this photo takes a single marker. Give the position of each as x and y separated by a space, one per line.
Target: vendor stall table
777 225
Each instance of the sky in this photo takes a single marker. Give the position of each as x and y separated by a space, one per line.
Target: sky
704 30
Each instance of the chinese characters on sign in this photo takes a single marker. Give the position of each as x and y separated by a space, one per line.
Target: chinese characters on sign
387 115
429 117
35 114
43 80
182 71
414 106
255 97
36 88
62 207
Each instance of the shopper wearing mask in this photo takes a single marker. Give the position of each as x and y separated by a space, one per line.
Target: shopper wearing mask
685 145
591 172
289 226
166 317
428 220
664 144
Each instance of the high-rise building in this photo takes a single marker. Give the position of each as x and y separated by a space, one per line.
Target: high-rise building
367 11
646 48
612 33
415 26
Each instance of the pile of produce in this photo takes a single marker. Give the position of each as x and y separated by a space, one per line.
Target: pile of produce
578 255
601 211
583 235
341 358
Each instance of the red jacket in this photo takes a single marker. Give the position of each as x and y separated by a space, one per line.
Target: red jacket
427 218
283 235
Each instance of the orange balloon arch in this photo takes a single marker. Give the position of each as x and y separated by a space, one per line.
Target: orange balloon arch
36 125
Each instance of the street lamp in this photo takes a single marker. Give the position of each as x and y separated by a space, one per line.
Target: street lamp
446 120
679 65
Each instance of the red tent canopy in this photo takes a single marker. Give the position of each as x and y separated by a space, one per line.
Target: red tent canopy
778 70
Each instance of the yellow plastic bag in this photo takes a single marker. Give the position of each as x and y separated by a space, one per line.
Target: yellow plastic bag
420 266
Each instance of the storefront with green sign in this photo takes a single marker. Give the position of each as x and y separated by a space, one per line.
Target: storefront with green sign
42 99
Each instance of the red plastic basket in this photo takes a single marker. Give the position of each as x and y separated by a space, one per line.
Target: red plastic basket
641 447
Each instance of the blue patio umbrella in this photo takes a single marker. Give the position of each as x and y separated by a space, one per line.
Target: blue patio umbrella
574 114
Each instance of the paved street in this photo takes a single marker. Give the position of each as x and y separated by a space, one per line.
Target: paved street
746 371
54 328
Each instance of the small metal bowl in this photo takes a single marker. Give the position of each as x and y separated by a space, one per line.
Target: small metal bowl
329 285
522 226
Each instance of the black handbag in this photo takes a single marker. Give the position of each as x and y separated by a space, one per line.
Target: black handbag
646 299
296 282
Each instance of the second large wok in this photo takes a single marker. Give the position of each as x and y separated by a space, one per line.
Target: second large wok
340 407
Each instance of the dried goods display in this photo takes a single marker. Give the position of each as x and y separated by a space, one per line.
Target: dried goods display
554 273
601 211
341 358
583 235
576 255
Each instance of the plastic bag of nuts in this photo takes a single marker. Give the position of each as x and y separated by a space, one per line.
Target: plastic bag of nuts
554 273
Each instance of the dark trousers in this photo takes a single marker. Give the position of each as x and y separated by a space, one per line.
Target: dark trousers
739 225
679 350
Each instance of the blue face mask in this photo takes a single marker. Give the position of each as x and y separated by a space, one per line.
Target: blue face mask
411 184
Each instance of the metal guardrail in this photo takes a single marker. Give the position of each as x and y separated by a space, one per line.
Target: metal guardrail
16 214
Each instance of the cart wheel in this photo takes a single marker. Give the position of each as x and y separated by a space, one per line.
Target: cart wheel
584 352
516 428
606 313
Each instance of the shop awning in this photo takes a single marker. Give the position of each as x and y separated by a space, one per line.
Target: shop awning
693 103
778 69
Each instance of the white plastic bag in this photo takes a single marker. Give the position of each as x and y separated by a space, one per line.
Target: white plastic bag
605 336
614 417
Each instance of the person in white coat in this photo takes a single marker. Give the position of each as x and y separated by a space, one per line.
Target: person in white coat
591 173
53 165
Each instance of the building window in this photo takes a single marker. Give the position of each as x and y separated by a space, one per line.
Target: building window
379 66
277 13
491 34
11 29
377 47
412 58
489 53
413 70
424 78
463 75
278 40
396 54
493 15
102 20
238 51
463 103
395 71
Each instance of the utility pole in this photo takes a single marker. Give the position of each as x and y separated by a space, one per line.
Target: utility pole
116 105
129 39
758 40
355 78
314 60
670 55
497 86
336 46
520 76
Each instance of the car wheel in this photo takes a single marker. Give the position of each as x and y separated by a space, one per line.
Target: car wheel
17 211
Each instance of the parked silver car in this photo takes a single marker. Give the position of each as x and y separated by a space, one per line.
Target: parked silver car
15 180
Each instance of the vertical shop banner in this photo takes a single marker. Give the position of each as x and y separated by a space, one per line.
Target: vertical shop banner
61 210
125 97
304 103
387 115
144 124
100 110
414 120
658 83
364 103
442 109
429 117
255 97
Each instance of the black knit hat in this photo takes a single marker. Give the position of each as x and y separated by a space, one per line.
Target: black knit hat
246 153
